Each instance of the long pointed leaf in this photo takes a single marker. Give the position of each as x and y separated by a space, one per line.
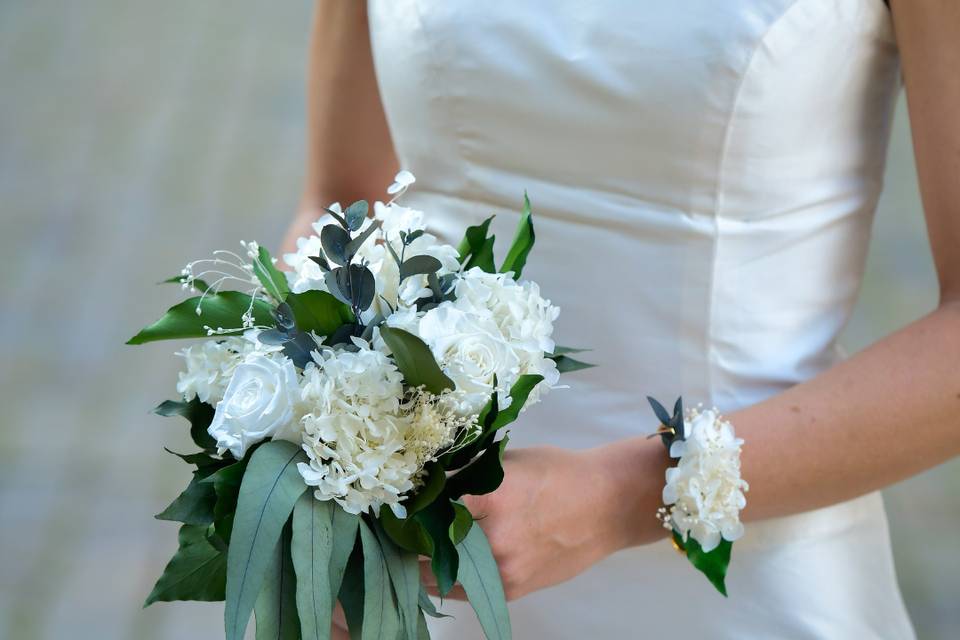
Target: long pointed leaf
380 616
522 243
217 310
415 360
196 572
311 549
404 570
270 277
271 486
276 607
480 579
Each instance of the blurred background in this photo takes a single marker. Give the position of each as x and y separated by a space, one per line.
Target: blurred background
135 136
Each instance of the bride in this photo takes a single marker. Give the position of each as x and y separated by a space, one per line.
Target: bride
703 175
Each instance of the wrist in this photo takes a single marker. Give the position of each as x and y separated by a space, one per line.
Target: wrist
631 486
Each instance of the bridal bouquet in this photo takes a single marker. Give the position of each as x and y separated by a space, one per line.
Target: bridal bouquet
341 411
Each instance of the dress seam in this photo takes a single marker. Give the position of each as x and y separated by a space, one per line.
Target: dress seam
718 198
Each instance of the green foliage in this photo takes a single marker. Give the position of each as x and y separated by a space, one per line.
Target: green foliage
198 284
198 570
428 492
566 364
276 606
351 593
408 533
355 214
519 393
480 578
312 549
274 282
218 310
481 476
713 564
226 484
193 506
380 616
427 606
199 414
523 240
436 520
415 360
318 311
476 248
404 569
462 522
270 488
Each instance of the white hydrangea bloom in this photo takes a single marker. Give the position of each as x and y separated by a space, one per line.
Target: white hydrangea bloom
366 446
209 366
705 491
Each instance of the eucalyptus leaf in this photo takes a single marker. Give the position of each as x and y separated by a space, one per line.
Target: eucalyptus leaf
274 282
198 570
380 616
271 486
338 283
427 606
415 360
217 310
354 245
312 551
355 214
419 265
321 262
480 578
404 569
276 606
338 217
199 414
523 240
345 536
363 286
351 594
334 241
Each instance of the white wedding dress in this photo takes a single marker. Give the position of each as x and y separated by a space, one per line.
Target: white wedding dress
703 176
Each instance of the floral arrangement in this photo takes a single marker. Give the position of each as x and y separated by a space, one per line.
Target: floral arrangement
704 491
341 410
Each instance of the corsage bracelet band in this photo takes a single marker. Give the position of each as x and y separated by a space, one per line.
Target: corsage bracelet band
704 492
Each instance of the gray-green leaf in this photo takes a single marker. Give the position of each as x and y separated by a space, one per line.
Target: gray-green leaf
404 569
271 486
380 617
480 578
312 549
276 607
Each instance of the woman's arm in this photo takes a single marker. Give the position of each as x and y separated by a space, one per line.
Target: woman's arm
889 412
349 152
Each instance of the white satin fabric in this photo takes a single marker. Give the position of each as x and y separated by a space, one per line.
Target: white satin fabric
703 175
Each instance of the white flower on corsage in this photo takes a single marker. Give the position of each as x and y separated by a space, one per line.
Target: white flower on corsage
260 402
704 492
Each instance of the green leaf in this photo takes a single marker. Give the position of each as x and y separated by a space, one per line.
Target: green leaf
436 519
560 351
193 506
271 486
523 240
404 570
380 616
226 483
566 364
419 265
276 607
415 360
355 214
334 241
273 281
198 571
427 606
351 594
318 311
218 310
519 393
345 537
480 578
312 549
481 476
423 633
199 414
462 523
198 284
713 564
476 249
432 487
408 533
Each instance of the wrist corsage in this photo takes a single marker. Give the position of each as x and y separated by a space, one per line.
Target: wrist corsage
703 495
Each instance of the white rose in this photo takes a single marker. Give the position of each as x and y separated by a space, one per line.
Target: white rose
471 350
260 402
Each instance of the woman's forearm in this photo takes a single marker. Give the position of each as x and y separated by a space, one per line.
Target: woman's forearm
887 413
350 154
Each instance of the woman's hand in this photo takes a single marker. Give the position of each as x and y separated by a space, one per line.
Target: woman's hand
558 512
